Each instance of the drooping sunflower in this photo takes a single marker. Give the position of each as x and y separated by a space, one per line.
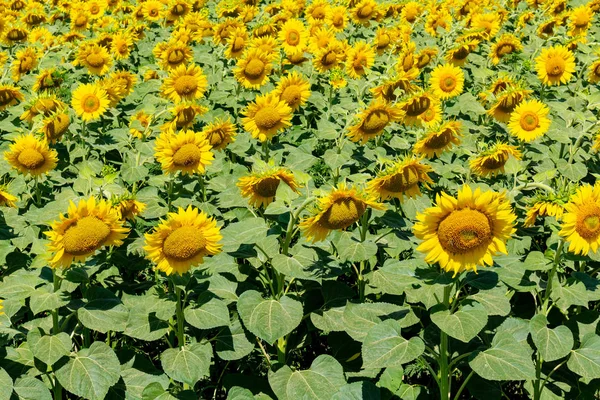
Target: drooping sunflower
447 81
128 207
253 69
7 199
415 105
555 65
184 115
438 140
506 44
294 89
25 61
90 101
236 43
126 79
55 126
507 102
530 120
174 54
401 81
581 222
95 58
183 240
364 12
411 11
266 116
87 227
48 79
457 55
139 123
293 36
30 155
317 11
337 210
185 83
373 120
432 116
463 233
492 160
593 76
327 58
220 133
44 104
544 208
360 58
261 185
438 19
9 96
401 179
267 44
186 151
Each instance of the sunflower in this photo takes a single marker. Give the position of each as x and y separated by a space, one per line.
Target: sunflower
317 12
488 23
337 210
457 55
14 33
447 81
174 54
530 120
220 133
327 58
581 222
411 11
416 105
506 44
44 104
115 91
438 140
266 116
7 200
507 102
580 20
88 226
555 65
253 69
424 57
438 19
141 119
184 115
152 10
543 208
401 179
373 121
183 240
261 186
491 161
383 40
294 89
337 79
364 12
401 81
594 74
236 43
186 151
465 232
360 58
9 96
128 207
126 79
55 125
338 18
185 83
25 61
30 155
121 45
90 101
48 79
432 116
293 36
95 58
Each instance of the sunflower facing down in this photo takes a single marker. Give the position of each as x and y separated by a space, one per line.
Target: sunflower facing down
530 120
337 210
186 151
447 81
506 102
360 59
182 241
555 65
294 89
55 126
507 44
491 162
594 74
544 208
401 179
415 105
581 222
438 140
220 133
185 83
9 96
90 101
465 232
88 226
373 121
261 186
128 207
29 155
266 116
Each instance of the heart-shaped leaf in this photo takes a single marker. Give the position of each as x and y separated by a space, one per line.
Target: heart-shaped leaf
464 324
552 344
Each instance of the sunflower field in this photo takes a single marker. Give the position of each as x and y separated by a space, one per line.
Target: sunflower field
299 199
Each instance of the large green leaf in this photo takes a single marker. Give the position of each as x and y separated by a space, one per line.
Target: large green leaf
552 344
363 390
269 319
568 293
103 312
384 346
29 388
495 301
585 360
506 360
233 342
394 277
207 312
464 324
148 316
90 372
359 318
6 384
49 348
187 364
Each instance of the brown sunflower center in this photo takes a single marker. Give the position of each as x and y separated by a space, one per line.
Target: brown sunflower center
85 236
267 118
401 181
588 220
31 158
186 85
329 58
505 48
176 57
365 12
267 187
187 155
293 37
6 97
254 69
16 35
178 10
292 95
555 66
438 141
418 106
461 53
95 60
153 12
94 9
238 44
90 103
464 230
318 12
343 213
184 243
493 163
375 122
337 20
529 121
448 83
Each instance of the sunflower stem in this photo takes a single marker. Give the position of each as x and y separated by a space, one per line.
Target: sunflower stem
38 192
56 282
180 320
559 249
202 188
444 372
265 148
291 223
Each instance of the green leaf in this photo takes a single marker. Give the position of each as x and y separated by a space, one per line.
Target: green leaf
331 320
552 344
269 319
585 361
385 347
138 373
324 378
90 372
464 324
353 250
239 393
187 364
536 261
148 316
569 293
233 342
394 277
506 360
104 311
208 312
494 301
6 384
29 388
50 348
363 390
359 318
43 300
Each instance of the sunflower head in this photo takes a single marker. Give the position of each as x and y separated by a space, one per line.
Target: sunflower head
439 139
55 126
546 205
555 65
373 121
253 69
491 161
417 108
185 83
401 179
266 116
7 199
31 156
9 96
447 81
360 59
260 187
506 102
90 101
220 133
128 207
529 120
581 222
293 89
139 123
186 151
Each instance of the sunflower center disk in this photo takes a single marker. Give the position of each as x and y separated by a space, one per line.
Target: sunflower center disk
337 20
254 69
343 213
215 138
189 154
95 60
267 118
238 44
184 243
329 58
588 221
493 163
461 53
6 97
31 158
293 38
384 40
176 57
90 103
375 122
555 66
186 84
448 83
291 95
529 121
318 13
401 182
85 236
464 230
267 187
418 107
438 141
506 48
365 12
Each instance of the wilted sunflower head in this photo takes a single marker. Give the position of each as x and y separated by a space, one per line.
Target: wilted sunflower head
439 139
491 161
546 205
360 59
373 120
128 207
9 96
506 44
260 186
401 179
55 126
416 106
506 102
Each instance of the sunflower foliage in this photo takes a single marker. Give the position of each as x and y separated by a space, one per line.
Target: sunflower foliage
314 199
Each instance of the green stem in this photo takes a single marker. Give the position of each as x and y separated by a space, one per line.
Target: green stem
265 148
464 384
281 349
180 319
537 387
534 185
444 374
202 188
38 193
291 224
559 249
57 391
169 193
